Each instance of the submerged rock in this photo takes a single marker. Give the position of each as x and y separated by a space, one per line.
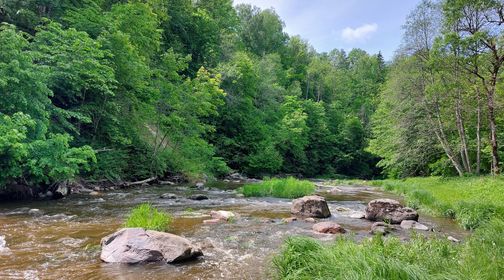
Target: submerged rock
136 245
222 215
410 224
3 244
198 197
213 221
168 196
389 210
453 239
381 228
35 212
328 227
289 220
311 206
310 220
358 215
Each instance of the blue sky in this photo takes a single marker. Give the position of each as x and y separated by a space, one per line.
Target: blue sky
372 25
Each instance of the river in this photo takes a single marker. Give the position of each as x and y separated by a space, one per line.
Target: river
62 240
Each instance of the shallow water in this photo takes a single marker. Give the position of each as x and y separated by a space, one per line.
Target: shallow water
63 243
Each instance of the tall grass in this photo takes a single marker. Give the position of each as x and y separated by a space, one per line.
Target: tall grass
481 257
286 188
147 217
471 201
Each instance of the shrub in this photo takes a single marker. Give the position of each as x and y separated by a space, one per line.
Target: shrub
286 188
147 217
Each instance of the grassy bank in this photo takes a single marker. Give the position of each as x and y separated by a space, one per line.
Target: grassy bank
481 257
276 187
471 201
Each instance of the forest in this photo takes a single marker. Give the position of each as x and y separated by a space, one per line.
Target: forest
124 90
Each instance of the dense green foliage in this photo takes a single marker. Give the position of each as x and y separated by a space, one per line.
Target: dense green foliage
440 111
481 257
286 188
471 201
147 217
158 88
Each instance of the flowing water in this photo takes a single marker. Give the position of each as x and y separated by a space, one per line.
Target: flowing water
62 242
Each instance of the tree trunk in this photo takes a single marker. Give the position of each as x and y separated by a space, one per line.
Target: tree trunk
463 139
478 134
492 122
440 135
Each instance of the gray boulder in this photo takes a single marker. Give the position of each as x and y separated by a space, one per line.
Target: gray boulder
389 210
311 206
409 224
137 245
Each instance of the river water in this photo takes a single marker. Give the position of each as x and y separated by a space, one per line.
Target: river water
63 242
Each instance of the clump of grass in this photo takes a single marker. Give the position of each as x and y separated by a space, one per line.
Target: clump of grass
421 258
147 217
285 188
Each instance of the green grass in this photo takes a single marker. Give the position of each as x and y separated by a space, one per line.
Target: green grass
471 201
285 188
481 257
147 217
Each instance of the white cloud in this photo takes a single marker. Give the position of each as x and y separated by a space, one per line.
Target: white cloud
360 33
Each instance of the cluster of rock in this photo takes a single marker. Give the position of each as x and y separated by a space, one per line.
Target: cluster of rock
311 207
387 213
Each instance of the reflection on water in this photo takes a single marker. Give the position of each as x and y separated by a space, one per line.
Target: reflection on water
61 241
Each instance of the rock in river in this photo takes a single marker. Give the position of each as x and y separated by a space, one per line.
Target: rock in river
381 228
136 245
389 210
311 206
168 196
409 224
222 215
198 197
328 227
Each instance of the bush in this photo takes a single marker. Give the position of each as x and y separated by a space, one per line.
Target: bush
285 188
147 217
481 257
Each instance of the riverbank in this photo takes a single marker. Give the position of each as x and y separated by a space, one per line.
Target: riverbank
475 203
470 201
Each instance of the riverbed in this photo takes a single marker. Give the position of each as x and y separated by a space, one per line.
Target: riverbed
61 240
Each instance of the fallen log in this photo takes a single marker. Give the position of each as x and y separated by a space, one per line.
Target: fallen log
129 184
